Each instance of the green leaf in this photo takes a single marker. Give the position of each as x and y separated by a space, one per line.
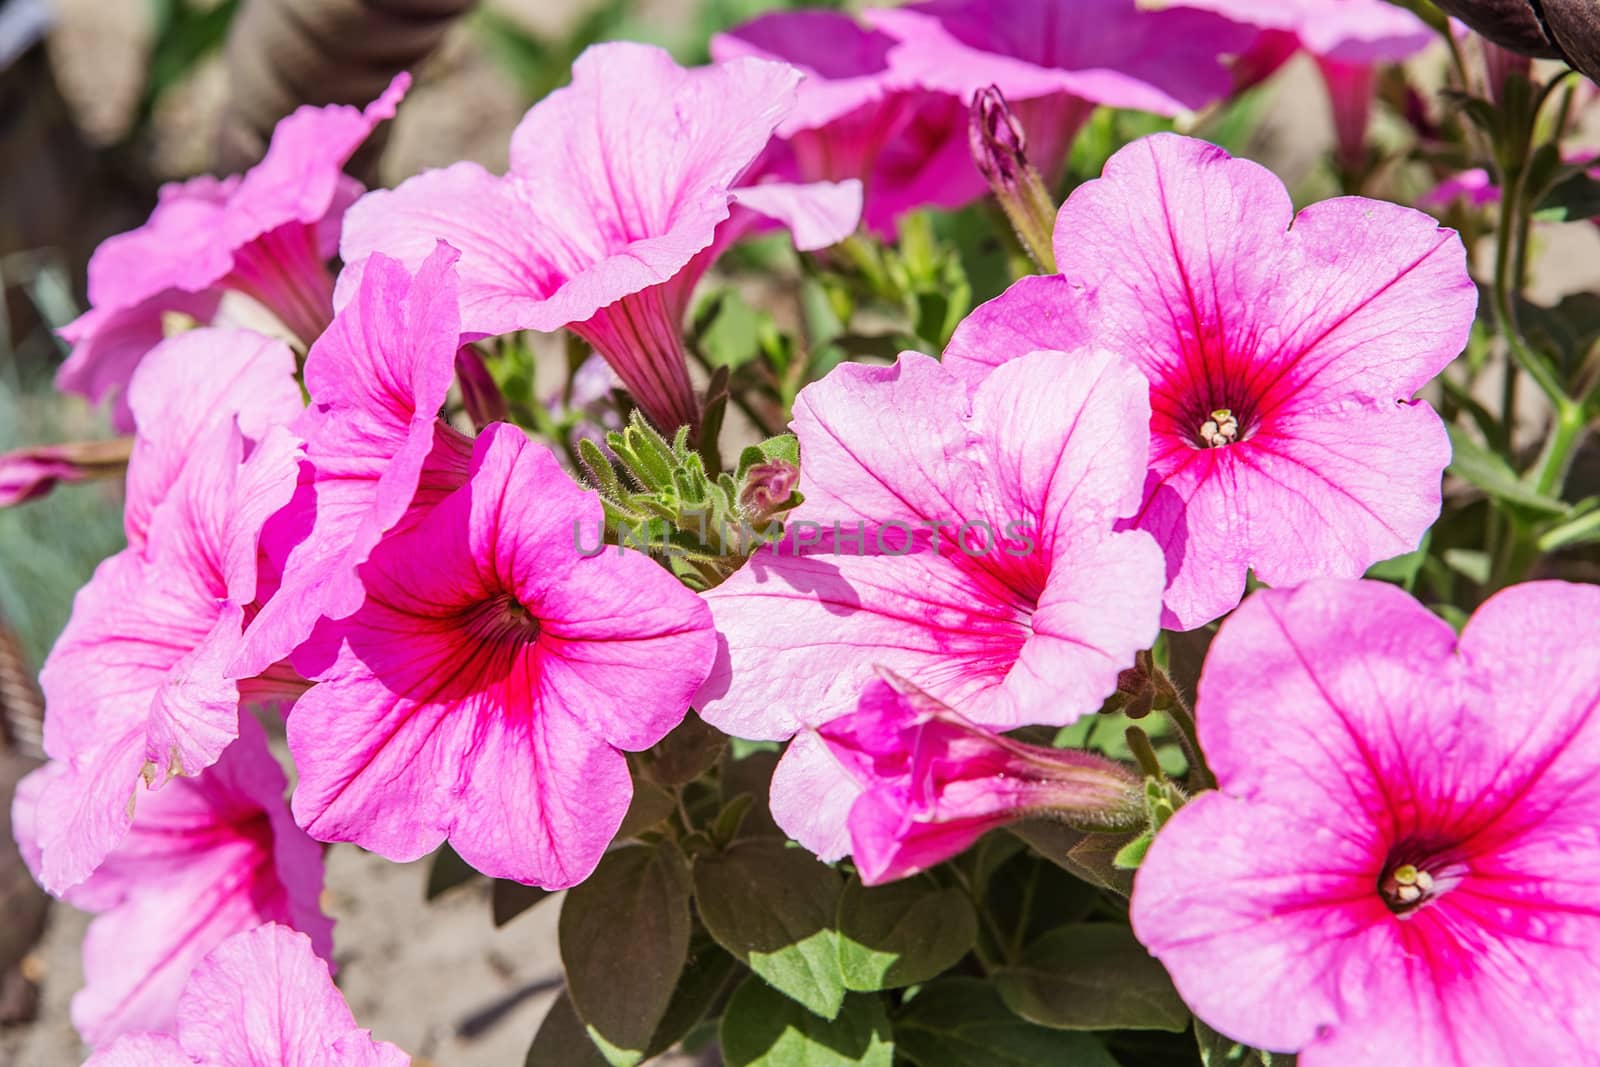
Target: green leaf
510 899
773 907
1092 976
562 1040
1582 529
1219 1051
447 871
902 934
962 1022
710 974
1473 463
1402 570
624 937
1571 200
763 1028
1131 856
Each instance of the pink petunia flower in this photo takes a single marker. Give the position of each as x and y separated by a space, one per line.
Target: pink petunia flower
262 999
136 685
623 188
855 119
1282 362
927 783
1349 39
1055 61
267 234
376 449
207 857
1400 864
1474 188
486 687
966 543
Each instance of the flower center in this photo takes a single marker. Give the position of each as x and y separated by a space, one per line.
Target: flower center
1406 887
1220 428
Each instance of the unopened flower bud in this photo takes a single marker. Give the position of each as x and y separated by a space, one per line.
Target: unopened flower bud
1543 29
480 393
30 473
1000 149
767 488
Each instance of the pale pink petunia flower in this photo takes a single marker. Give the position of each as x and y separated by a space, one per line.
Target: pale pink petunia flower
207 857
1055 61
261 999
927 782
487 687
375 450
855 119
1283 362
965 542
267 234
1400 864
1349 39
136 686
623 188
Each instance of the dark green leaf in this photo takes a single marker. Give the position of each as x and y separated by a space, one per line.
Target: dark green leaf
510 899
562 1040
773 907
650 807
1572 200
690 750
962 1022
447 871
624 938
752 777
1092 976
902 934
708 977
1091 857
763 1028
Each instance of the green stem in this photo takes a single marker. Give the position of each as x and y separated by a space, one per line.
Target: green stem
1568 430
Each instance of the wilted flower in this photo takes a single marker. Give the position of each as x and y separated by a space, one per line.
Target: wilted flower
1401 862
30 473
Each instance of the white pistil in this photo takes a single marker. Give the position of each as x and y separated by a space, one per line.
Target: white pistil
1220 429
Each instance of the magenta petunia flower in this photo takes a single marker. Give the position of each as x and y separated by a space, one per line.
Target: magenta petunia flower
1055 61
375 446
927 783
1401 859
207 857
267 234
966 543
1283 362
623 188
136 685
855 119
262 999
1349 39
487 686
